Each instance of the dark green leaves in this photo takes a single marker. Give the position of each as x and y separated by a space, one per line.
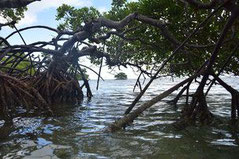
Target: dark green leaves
73 18
13 14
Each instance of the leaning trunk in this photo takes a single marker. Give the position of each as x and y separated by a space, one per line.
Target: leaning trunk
129 118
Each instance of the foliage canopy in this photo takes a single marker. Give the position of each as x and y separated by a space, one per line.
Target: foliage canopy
146 45
121 76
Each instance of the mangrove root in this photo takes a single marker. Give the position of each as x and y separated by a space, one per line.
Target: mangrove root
14 92
56 87
129 118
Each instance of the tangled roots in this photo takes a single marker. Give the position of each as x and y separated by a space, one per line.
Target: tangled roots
56 87
14 92
195 113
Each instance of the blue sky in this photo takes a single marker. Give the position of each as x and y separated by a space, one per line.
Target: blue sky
43 13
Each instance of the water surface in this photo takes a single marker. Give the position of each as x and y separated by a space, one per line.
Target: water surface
76 130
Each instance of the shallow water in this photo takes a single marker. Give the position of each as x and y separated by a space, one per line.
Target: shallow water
76 131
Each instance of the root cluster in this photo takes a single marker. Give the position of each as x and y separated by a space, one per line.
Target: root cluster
56 88
16 93
197 111
37 93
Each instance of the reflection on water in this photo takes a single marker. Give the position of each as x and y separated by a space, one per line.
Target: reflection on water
76 131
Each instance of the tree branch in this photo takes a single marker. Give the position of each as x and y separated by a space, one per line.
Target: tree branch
15 3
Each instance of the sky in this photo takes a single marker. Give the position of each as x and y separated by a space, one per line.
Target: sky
43 13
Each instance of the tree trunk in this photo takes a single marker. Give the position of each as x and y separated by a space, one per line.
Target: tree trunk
127 119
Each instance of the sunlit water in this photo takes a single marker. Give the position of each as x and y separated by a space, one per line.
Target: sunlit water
77 131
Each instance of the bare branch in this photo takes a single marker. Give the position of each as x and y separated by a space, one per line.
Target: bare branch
15 3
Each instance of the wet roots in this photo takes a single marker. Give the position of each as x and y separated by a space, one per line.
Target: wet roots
37 93
56 87
14 92
235 106
195 113
234 99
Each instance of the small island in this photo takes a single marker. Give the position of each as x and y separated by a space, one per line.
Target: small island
121 76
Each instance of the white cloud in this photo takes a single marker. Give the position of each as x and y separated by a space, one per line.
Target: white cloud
28 19
3 20
46 4
102 9
35 8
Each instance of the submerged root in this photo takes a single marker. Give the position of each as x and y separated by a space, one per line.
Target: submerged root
56 87
194 117
5 130
39 92
234 99
195 113
16 93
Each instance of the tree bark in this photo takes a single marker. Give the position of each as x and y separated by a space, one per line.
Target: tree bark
15 3
127 119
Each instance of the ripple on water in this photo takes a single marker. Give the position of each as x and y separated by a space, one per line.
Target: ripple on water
76 131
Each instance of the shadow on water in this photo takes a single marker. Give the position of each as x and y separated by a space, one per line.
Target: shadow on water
76 130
